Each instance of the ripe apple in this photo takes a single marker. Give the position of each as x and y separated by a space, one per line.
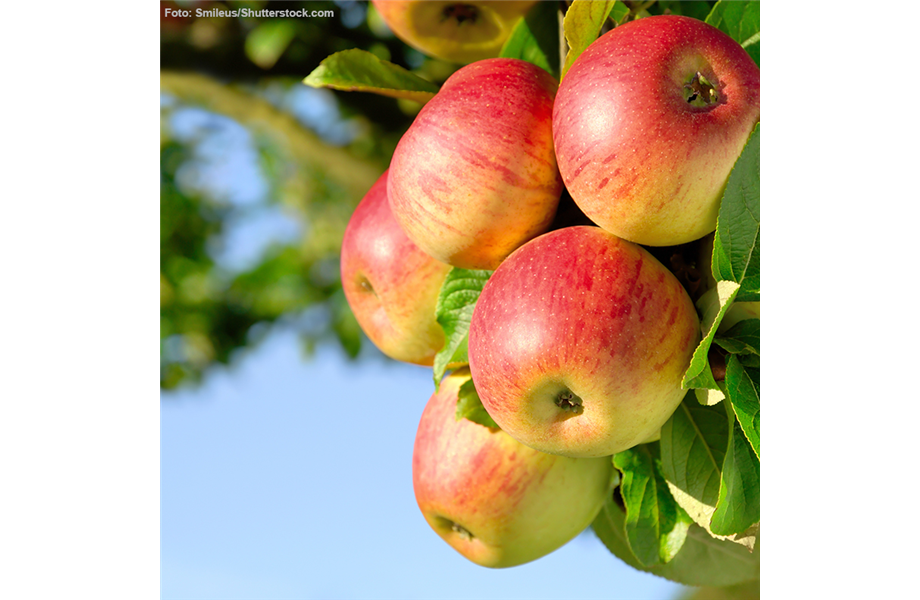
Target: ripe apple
475 175
648 123
459 32
579 341
391 286
495 501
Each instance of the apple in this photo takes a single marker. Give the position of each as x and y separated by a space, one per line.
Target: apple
391 286
475 175
648 123
579 341
459 32
495 501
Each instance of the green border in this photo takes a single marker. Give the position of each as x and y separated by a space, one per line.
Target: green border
843 258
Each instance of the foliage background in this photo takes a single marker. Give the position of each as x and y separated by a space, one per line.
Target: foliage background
313 155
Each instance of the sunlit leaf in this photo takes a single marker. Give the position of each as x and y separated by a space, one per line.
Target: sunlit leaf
360 71
470 407
535 38
456 301
656 526
583 22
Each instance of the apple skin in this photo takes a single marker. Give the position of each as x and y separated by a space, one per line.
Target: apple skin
391 286
475 175
581 311
639 160
495 501
458 32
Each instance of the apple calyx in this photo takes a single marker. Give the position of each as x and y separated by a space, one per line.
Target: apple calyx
460 12
461 531
366 285
568 401
700 92
457 528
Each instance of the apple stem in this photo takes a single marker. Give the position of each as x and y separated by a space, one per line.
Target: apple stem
568 401
460 12
700 92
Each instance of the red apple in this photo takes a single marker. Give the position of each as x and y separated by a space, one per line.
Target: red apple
391 286
579 341
648 123
495 501
475 175
460 32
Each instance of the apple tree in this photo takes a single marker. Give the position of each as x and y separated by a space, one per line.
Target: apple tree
677 191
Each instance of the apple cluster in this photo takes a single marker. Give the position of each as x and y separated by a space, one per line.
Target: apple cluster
580 337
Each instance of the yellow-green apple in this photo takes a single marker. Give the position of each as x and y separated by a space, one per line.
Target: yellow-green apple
648 123
460 32
579 341
475 175
391 286
494 500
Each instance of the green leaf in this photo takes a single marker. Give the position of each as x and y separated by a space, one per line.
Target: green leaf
456 301
693 448
656 526
735 264
736 249
583 23
739 19
619 13
714 304
739 494
703 560
697 9
756 47
742 338
742 387
469 406
360 71
693 443
535 38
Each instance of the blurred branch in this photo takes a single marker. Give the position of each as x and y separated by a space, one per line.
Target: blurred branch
258 115
206 317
